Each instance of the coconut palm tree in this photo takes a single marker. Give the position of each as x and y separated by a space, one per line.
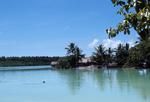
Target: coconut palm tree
74 54
122 53
78 54
99 55
109 55
71 49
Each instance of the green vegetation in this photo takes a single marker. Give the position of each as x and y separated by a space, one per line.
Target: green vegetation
26 61
136 14
74 55
140 54
99 56
103 56
122 53
122 56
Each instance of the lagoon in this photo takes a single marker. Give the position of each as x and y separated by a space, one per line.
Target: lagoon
111 85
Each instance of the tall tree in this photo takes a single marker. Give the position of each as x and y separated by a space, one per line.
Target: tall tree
122 53
109 55
74 55
136 15
140 55
75 51
99 56
78 54
71 49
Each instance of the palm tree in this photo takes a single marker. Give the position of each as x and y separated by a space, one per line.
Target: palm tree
71 49
99 55
74 54
122 53
109 55
78 54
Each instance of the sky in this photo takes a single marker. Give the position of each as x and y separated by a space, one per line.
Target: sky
46 27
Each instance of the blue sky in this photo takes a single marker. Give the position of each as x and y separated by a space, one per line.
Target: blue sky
45 27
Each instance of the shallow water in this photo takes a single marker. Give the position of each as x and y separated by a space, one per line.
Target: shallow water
75 86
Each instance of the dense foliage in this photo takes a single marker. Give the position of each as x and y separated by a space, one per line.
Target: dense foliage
136 15
140 55
74 55
26 61
122 53
99 56
119 55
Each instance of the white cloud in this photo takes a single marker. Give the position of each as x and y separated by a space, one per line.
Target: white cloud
94 43
109 43
131 43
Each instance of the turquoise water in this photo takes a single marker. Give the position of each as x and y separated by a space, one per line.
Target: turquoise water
75 86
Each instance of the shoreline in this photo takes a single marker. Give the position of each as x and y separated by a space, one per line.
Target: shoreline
46 67
14 68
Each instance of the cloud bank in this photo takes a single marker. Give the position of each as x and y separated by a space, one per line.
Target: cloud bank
109 43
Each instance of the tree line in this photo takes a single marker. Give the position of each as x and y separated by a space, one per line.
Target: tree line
123 56
26 61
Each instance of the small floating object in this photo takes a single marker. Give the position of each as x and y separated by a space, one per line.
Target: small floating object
44 82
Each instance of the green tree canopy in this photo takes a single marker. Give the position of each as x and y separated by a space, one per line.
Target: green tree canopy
74 55
99 56
136 15
122 53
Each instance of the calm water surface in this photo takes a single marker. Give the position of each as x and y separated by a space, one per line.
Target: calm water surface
75 86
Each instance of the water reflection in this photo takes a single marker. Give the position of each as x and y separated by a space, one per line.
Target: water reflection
122 80
139 80
73 78
112 85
